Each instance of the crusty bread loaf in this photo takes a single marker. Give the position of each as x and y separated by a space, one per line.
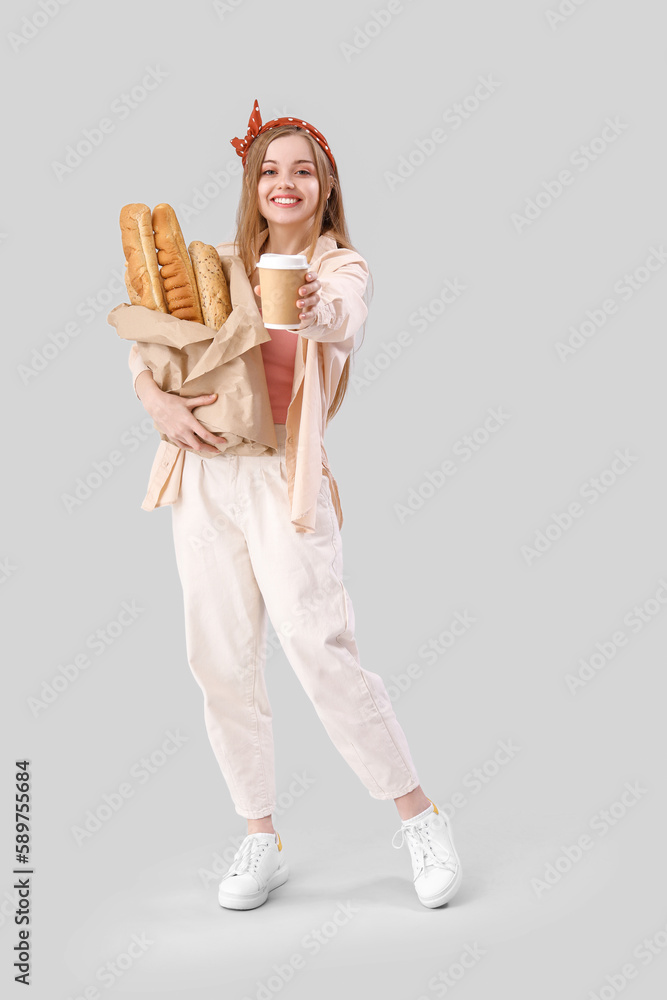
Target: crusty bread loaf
214 299
178 277
135 298
142 276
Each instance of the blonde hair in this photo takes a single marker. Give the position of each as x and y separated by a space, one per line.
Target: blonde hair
329 218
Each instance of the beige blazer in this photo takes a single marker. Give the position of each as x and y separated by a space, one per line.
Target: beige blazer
324 344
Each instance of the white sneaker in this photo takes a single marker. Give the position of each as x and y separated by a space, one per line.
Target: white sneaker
435 864
257 868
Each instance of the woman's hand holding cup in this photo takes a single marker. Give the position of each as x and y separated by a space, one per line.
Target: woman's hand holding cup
309 296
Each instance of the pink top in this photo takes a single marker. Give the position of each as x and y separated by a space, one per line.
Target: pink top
278 355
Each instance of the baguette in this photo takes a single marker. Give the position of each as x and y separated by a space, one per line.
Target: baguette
176 271
135 298
214 299
142 276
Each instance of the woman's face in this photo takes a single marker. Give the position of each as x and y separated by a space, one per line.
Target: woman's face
288 188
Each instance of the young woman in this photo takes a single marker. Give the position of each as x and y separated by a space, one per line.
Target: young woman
273 544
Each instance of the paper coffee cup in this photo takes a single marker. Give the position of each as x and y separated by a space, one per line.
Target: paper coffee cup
281 275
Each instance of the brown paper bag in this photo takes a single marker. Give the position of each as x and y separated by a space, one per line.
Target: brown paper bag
191 359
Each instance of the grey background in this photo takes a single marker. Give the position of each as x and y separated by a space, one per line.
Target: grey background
66 574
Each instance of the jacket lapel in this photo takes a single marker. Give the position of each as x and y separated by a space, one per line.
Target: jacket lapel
323 244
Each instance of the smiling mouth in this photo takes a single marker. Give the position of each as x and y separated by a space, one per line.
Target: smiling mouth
285 203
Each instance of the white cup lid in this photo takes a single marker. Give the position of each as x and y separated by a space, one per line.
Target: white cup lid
283 261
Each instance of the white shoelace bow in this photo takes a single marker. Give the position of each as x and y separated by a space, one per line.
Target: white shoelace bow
248 856
422 850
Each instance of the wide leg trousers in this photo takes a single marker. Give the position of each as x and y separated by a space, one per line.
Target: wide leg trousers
240 559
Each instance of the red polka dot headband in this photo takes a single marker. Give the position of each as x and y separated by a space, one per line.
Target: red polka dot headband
255 128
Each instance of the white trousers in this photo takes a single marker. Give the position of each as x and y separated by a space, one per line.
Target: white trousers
239 558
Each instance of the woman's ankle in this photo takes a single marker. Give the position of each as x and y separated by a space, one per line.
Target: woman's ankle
263 825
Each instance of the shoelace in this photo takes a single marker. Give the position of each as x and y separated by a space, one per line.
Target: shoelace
422 850
248 856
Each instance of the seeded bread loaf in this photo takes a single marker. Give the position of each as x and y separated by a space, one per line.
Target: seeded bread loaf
214 299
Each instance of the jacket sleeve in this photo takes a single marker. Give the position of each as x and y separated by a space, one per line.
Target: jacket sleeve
136 366
342 308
